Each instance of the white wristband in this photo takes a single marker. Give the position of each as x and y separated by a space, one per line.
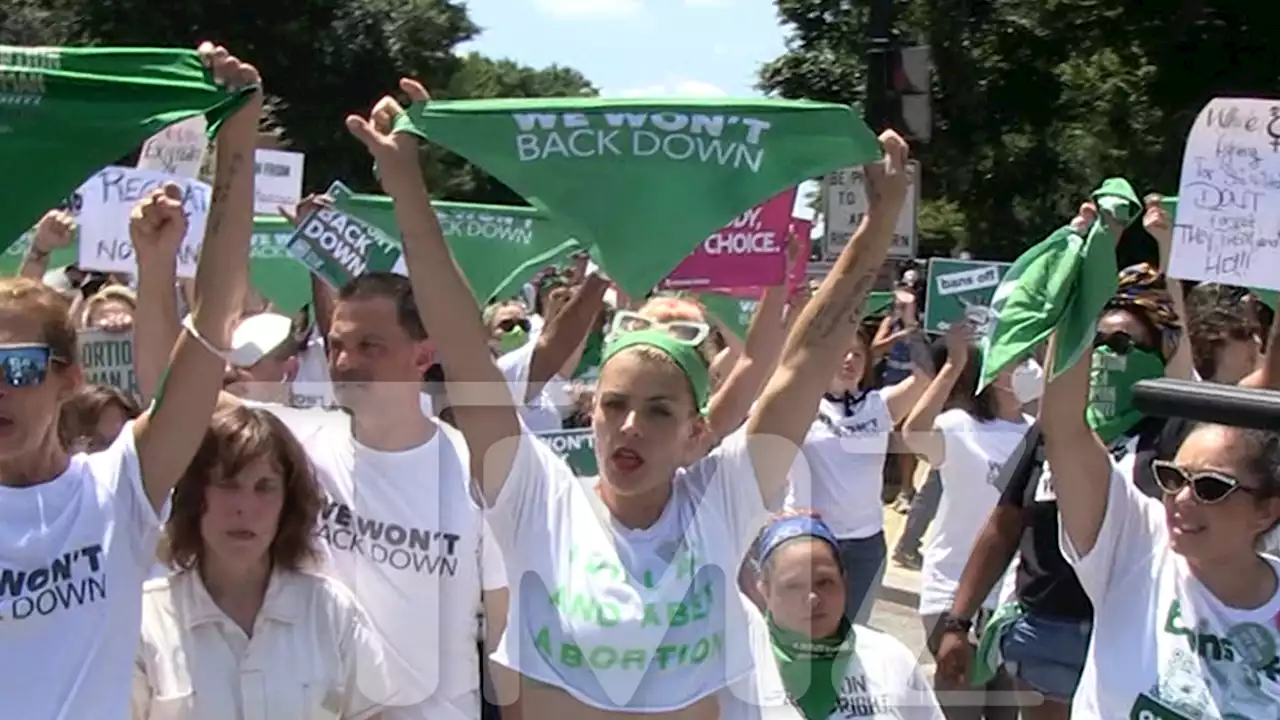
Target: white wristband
190 327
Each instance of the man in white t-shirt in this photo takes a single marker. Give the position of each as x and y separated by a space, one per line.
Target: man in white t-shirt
402 529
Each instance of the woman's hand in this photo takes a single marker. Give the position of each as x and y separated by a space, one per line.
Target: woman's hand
54 232
395 154
958 339
306 206
1158 224
157 225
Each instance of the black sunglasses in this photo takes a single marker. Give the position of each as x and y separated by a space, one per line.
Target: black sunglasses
1207 486
510 324
1121 343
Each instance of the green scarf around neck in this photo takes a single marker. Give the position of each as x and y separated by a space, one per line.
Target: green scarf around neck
811 668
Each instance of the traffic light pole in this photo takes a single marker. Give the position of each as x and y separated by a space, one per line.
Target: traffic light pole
880 43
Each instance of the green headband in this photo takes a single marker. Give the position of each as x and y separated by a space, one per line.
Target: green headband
685 356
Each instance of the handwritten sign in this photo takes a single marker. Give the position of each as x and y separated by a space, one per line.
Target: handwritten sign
178 149
107 199
1227 228
107 359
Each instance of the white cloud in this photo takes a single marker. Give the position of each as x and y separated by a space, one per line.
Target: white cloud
678 88
589 8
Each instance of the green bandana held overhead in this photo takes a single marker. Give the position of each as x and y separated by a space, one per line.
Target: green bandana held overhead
684 355
1110 411
644 181
811 668
1059 285
497 247
65 113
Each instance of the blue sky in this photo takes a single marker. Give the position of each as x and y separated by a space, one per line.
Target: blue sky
650 48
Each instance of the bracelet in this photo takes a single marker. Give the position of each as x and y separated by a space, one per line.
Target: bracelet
190 327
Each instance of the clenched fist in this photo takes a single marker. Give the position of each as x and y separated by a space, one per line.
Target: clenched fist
54 231
158 224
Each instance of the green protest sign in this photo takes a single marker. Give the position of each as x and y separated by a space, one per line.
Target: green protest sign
272 270
577 447
645 181
733 312
960 290
107 359
66 113
338 247
497 247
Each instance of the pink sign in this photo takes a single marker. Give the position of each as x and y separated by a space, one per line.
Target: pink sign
800 232
749 251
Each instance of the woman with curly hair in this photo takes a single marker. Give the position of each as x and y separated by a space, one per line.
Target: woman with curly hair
242 628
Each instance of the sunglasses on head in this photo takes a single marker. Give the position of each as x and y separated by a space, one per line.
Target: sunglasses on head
1121 343
1207 486
686 331
25 365
510 324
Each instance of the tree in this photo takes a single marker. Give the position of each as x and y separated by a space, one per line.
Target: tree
32 22
451 176
320 59
1036 102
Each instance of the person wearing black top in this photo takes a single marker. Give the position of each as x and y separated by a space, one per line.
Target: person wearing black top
1046 646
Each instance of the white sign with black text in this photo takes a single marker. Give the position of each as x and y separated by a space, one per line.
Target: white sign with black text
846 204
277 181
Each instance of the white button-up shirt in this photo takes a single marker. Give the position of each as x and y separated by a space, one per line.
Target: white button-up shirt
313 654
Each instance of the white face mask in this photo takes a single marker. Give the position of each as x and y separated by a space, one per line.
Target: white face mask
1027 381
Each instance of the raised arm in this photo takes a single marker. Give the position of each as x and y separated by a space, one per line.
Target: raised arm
815 347
54 231
169 433
1079 465
1158 224
918 433
732 401
481 401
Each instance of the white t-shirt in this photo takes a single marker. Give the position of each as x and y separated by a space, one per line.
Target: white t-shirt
840 469
882 681
975 453
312 387
542 413
406 536
1163 646
647 620
74 553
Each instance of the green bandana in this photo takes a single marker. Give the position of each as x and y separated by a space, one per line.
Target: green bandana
1060 285
644 181
1110 412
685 356
66 113
811 668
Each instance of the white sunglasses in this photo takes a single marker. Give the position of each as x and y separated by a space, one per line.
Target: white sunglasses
688 332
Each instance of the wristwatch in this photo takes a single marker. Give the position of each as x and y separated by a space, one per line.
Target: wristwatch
947 623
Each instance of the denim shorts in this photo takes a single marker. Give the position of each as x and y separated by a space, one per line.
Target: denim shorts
1047 653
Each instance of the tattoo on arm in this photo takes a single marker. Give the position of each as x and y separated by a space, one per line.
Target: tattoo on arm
222 188
839 312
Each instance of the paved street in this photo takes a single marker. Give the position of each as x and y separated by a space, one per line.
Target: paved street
895 610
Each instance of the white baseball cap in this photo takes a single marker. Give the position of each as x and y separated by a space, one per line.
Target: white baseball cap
258 336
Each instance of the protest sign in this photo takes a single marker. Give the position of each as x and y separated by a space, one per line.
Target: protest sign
178 149
734 313
1227 228
272 270
277 180
643 181
748 252
108 198
846 204
577 447
107 359
960 290
338 247
497 247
